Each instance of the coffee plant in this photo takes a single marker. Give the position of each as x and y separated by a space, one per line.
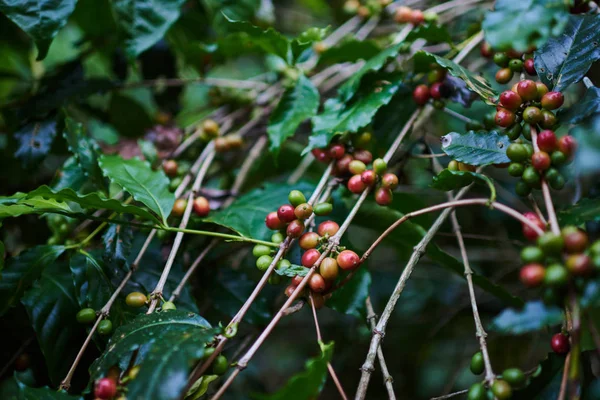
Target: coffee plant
212 199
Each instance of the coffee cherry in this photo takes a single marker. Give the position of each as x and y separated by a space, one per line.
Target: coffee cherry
329 268
136 299
552 100
532 275
548 120
560 344
356 185
473 125
595 248
328 228
515 169
522 189
86 316
296 198
286 214
234 141
527 89
295 229
540 160
363 12
529 233
263 262
466 167
290 289
296 280
363 155
343 164
168 306
210 128
532 115
546 141
320 155
383 196
105 327
357 167
453 165
201 206
517 152
368 177
532 254
567 145
514 376
179 207
323 209
556 275
510 100
310 257
303 211
421 94
318 300
477 364
220 365
513 132
348 259
558 158
541 89
436 75
282 265
531 176
504 117
417 17
576 240
389 181
501 389
309 240
261 250
504 75
170 167
515 65
529 67
501 59
379 166
402 14
434 91
273 222
579 264
476 392
317 283
105 388
489 120
550 243
337 151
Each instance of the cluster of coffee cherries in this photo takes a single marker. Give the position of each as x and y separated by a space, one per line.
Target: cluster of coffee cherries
366 8
435 89
531 166
201 207
405 15
210 130
510 62
87 316
138 300
502 388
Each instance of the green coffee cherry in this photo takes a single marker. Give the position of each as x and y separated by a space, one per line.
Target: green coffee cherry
522 189
550 243
323 209
477 364
261 250
220 365
514 376
531 176
277 237
168 305
502 389
296 198
556 275
283 264
517 152
86 316
514 131
476 392
516 169
263 262
532 254
105 327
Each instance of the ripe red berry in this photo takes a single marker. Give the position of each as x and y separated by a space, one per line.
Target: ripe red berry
363 155
528 232
532 275
368 177
309 240
105 388
286 213
434 91
402 14
421 94
417 17
317 283
328 228
290 289
576 240
504 75
356 185
170 167
527 89
201 206
540 160
273 222
486 50
389 181
510 100
383 196
529 67
546 141
560 344
295 229
310 257
567 145
296 280
579 264
343 164
504 117
320 155
552 100
337 151
348 259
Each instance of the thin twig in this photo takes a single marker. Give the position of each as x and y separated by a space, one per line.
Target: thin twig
563 382
537 210
546 191
387 378
449 396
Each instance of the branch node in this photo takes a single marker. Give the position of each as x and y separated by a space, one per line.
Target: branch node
378 332
367 369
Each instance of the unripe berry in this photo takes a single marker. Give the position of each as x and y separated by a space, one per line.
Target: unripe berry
560 344
501 59
576 240
517 152
477 392
522 189
368 177
421 94
105 388
379 166
329 268
510 100
320 155
527 89
261 250
136 299
579 265
356 185
221 145
516 169
504 117
303 211
363 155
540 160
105 327
86 316
453 165
357 167
515 65
552 100
282 265
389 181
434 91
532 115
296 198
567 145
220 365
337 151
546 141
328 228
532 254
528 232
383 196
549 120
273 222
466 167
477 365
504 75
295 229
362 140
170 167
179 207
323 209
348 259
263 262
286 214
529 67
317 283
556 275
532 275
541 89
550 243
201 206
210 128
310 257
501 389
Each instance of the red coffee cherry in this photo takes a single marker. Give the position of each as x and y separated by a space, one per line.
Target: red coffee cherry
579 265
337 151
296 280
504 117
510 100
343 164
576 240
532 275
348 259
105 388
527 89
317 283
309 240
328 228
529 67
402 14
434 91
295 229
170 167
504 75
201 206
540 160
273 222
383 196
368 177
552 100
560 344
310 257
417 17
290 289
286 213
486 50
389 181
329 268
421 94
567 145
547 141
356 185
320 155
528 232
363 155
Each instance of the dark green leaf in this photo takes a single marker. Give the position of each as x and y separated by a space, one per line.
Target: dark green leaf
35 140
117 245
247 214
533 317
21 271
585 210
71 176
432 32
85 151
548 382
144 22
144 184
169 342
270 41
350 50
521 24
476 148
43 393
565 60
297 105
587 135
292 271
390 119
306 39
583 109
51 305
350 298
308 383
452 180
478 84
40 19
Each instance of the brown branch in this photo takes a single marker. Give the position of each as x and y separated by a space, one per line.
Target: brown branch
387 378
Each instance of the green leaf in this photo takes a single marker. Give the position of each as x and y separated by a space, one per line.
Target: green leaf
247 214
533 317
304 40
350 50
51 305
117 245
71 176
350 298
144 22
297 104
432 32
292 271
85 151
138 179
452 180
270 41
21 271
476 148
587 135
546 385
40 19
339 117
200 387
35 140
521 24
169 343
565 59
423 60
585 210
587 107
308 383
43 393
